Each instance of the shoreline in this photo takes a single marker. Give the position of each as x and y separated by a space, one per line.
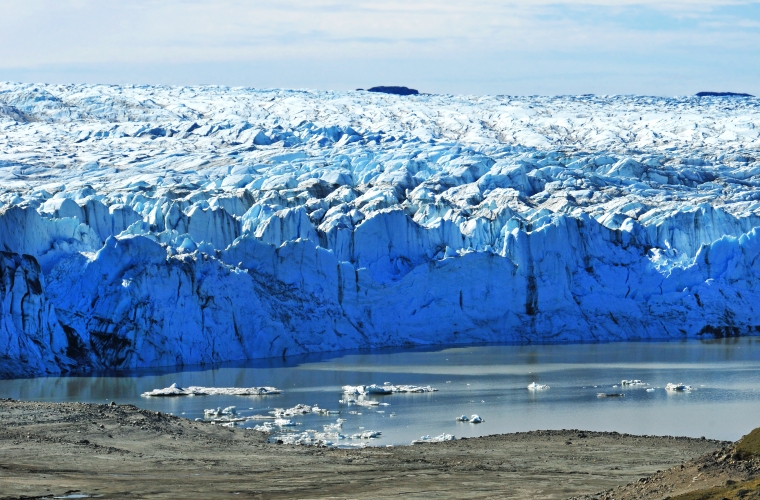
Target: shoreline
121 451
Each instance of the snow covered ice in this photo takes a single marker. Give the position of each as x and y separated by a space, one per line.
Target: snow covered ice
155 226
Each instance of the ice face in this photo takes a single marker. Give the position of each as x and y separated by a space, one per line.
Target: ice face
154 226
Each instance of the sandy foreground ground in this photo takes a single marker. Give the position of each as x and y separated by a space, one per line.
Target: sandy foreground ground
121 451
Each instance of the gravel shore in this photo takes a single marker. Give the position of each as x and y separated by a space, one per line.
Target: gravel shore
121 451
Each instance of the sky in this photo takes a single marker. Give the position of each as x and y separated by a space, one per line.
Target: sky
648 47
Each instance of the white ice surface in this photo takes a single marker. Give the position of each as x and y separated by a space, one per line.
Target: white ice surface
360 390
679 387
437 439
148 226
534 386
175 390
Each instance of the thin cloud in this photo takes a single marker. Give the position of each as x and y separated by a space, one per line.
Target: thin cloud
481 34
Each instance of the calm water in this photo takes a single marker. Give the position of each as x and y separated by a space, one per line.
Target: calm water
488 380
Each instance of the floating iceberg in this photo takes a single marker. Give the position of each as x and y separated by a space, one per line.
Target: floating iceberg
533 386
218 412
463 418
436 439
679 387
308 437
360 390
475 419
633 383
267 427
323 411
361 402
366 435
299 409
175 390
338 425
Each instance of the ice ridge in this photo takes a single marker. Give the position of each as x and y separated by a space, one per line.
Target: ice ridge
154 226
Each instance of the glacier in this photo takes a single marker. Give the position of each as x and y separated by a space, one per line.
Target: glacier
146 226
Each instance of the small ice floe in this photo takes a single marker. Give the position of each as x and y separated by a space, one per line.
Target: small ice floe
533 386
679 387
298 409
307 437
437 439
323 411
338 425
284 422
366 435
463 418
360 390
360 402
651 389
610 395
218 412
632 383
475 419
175 390
227 416
392 415
387 388
265 427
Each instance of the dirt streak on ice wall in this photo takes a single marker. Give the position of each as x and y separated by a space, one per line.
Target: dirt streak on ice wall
149 226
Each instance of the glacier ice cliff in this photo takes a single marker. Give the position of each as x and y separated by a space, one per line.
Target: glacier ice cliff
154 226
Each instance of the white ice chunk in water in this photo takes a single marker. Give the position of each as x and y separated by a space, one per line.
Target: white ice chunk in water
360 402
218 412
463 418
533 386
299 409
679 387
387 388
366 435
438 439
175 390
633 383
475 419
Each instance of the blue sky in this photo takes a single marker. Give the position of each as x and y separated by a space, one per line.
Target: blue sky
475 47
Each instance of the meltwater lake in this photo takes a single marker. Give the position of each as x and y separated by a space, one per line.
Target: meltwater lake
490 381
